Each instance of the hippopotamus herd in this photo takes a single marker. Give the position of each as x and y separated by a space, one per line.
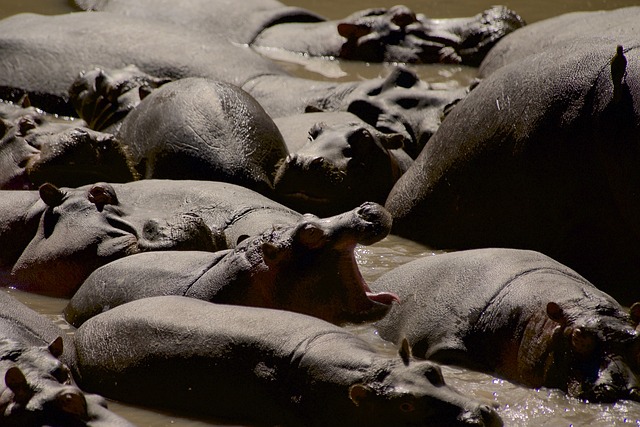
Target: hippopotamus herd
199 207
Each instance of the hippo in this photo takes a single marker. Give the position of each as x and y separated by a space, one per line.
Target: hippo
399 102
195 128
395 34
541 155
60 235
311 374
103 98
36 148
38 388
308 267
517 314
344 162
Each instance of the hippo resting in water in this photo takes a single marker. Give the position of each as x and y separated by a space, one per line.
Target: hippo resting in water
308 267
37 388
196 128
517 314
396 34
337 161
541 155
36 148
59 236
81 41
257 365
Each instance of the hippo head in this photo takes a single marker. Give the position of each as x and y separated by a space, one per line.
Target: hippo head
37 148
38 390
82 229
398 103
338 168
104 97
310 267
400 35
413 393
597 357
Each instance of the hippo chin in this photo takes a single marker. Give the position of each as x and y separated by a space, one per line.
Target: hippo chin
264 366
519 315
307 267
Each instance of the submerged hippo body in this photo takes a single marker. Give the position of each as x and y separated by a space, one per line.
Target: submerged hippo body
165 51
344 162
196 128
374 35
36 148
37 388
308 267
291 368
110 221
517 314
541 155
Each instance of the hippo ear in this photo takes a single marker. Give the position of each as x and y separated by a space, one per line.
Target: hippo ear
555 313
102 194
405 351
391 141
51 195
56 347
351 31
25 102
17 383
634 311
359 392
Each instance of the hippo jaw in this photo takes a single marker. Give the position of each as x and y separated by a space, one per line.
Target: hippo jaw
310 267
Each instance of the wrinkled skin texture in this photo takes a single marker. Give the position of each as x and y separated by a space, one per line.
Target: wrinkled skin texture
201 129
344 162
110 221
539 155
396 34
234 355
398 103
519 315
36 148
37 388
307 267
102 98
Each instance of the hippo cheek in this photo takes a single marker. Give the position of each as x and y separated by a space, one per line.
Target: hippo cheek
62 255
15 155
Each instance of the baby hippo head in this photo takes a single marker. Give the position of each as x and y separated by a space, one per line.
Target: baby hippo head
338 168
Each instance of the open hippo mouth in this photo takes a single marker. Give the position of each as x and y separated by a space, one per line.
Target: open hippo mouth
323 270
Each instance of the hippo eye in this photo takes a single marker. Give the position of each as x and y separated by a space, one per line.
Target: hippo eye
582 341
316 130
25 124
407 407
102 194
51 195
61 374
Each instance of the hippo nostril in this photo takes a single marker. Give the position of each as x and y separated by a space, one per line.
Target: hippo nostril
316 162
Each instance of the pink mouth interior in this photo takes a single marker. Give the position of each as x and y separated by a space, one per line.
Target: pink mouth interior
386 298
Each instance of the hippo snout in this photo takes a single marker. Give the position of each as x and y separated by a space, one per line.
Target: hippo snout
376 220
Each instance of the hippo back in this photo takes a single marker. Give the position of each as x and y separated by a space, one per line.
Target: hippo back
53 50
239 22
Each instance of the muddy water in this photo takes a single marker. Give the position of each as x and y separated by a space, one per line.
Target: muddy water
517 405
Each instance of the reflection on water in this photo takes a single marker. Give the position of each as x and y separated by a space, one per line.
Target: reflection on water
518 406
